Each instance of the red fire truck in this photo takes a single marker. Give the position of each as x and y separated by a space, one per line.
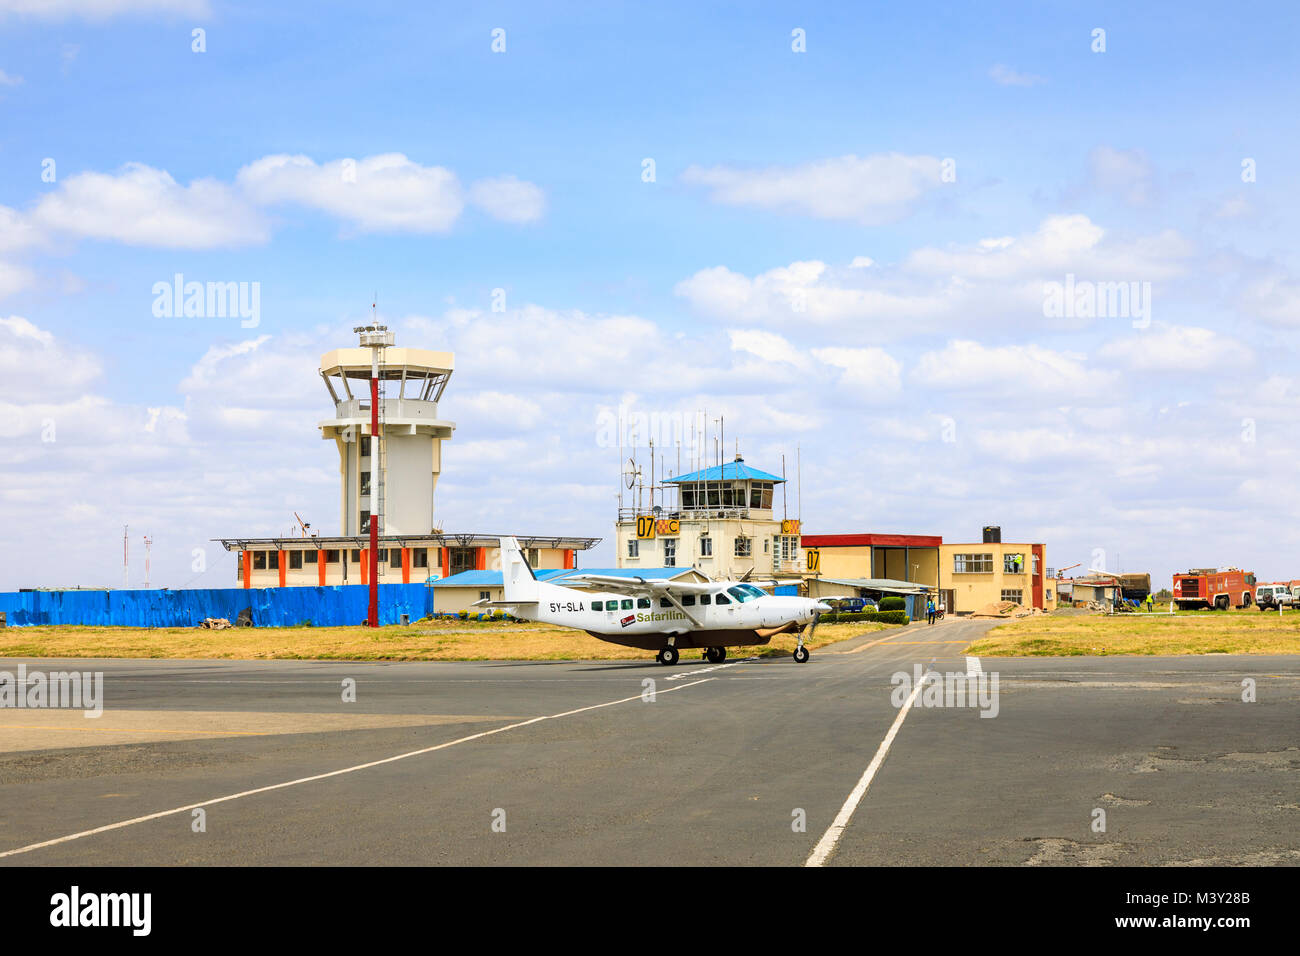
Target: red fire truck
1207 587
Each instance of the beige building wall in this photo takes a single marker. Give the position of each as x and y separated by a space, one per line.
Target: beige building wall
984 574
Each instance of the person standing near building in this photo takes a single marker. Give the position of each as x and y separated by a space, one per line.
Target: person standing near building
929 609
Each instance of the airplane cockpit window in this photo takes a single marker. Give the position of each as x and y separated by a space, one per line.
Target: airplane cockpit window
723 599
743 592
753 591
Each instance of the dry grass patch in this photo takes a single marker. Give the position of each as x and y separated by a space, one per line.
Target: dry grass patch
1245 632
460 641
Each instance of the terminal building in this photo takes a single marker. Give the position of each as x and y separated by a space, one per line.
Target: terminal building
390 478
965 576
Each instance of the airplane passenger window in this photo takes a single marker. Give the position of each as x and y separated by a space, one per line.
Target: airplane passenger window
706 598
723 599
664 602
598 605
642 602
688 600
626 605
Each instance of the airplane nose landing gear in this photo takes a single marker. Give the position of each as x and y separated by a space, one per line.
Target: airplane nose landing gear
801 654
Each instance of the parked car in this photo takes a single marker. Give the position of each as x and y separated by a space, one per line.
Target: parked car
855 605
1271 596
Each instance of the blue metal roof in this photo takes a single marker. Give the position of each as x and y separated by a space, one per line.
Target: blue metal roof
492 579
736 470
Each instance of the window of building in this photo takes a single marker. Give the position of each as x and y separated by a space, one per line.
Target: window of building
356 555
394 557
419 557
706 598
1013 563
598 605
744 547
533 557
383 555
633 548
485 595
1033 563
670 552
365 482
688 600
239 566
1049 594
461 559
365 522
365 446
295 560
311 557
706 547
259 560
642 602
972 564
331 556
722 599
1013 594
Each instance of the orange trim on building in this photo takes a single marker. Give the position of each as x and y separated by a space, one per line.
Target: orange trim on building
444 561
282 558
406 565
321 567
248 569
480 559
569 562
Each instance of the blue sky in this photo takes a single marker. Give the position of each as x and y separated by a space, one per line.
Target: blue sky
522 171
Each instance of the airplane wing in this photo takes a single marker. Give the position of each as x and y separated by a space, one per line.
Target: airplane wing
635 586
486 603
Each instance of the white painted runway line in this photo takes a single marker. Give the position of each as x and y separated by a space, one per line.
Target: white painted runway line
826 845
333 773
682 675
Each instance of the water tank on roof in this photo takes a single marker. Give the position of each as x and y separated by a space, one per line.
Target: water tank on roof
992 534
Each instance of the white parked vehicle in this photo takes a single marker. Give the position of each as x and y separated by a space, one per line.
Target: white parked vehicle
1270 596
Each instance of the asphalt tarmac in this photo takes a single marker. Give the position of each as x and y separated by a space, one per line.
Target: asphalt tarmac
1077 761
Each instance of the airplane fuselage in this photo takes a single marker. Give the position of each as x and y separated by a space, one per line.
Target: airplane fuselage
732 615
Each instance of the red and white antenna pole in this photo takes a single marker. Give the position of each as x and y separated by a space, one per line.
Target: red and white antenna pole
375 464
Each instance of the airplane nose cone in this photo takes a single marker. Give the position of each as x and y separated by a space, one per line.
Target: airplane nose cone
821 608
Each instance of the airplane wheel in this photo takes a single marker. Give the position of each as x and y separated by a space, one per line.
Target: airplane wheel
715 655
801 655
668 656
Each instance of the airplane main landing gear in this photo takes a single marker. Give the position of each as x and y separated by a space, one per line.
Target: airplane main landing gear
668 656
715 655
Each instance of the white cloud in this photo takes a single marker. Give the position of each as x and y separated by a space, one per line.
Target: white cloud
8 79
143 206
871 190
33 362
964 365
1176 348
872 369
387 193
508 199
1005 76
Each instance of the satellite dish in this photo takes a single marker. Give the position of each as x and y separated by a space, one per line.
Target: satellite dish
632 473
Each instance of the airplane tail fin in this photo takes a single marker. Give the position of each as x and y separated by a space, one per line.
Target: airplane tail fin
520 584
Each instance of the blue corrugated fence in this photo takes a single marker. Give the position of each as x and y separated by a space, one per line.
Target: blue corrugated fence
271 607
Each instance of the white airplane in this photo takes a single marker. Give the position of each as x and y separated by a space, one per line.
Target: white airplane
657 615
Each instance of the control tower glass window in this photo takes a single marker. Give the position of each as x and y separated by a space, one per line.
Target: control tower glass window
365 482
365 446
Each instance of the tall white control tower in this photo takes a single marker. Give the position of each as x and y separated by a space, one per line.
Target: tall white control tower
389 472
